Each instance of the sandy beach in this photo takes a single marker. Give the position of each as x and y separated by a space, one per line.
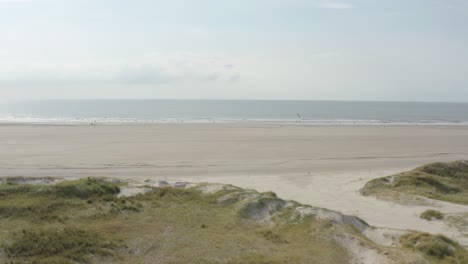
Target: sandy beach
323 166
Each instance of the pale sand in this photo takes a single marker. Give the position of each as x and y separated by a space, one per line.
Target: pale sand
322 166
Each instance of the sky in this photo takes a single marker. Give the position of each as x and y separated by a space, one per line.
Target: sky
385 50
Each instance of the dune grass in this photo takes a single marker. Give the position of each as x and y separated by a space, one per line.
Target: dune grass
84 222
68 245
440 181
431 214
438 248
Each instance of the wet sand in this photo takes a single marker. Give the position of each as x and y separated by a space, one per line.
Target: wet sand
323 166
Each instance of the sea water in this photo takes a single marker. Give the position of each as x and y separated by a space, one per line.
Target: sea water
232 111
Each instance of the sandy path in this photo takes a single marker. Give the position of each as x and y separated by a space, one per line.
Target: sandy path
340 192
323 166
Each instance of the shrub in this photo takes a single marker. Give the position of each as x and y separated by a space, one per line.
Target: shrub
273 237
85 188
458 169
69 244
431 214
436 246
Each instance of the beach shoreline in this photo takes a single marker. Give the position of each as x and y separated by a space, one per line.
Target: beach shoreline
209 121
224 149
324 166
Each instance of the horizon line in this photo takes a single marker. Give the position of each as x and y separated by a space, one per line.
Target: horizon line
237 99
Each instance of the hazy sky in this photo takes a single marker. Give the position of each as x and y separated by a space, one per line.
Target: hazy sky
413 50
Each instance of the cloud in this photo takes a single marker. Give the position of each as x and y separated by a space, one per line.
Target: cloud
154 68
179 66
335 5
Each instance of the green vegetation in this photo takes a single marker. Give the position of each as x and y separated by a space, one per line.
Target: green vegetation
57 245
431 214
438 248
84 221
458 222
84 189
441 181
50 202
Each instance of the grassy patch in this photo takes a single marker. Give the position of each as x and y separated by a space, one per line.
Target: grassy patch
67 245
441 181
82 222
84 188
259 259
431 214
37 219
459 222
437 247
85 222
272 236
51 202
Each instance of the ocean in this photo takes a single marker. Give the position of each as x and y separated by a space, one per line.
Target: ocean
232 111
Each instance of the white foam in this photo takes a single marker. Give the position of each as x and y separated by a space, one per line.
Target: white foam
103 120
